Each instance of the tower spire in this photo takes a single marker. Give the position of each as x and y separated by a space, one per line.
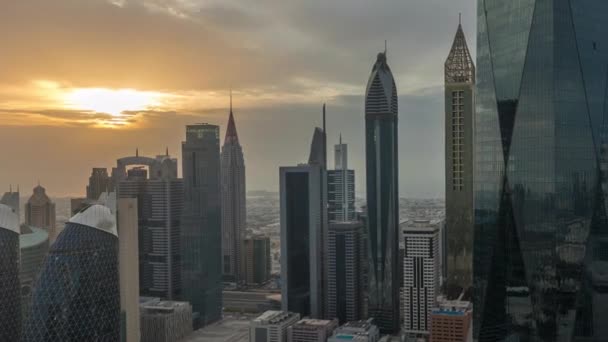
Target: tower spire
324 138
230 99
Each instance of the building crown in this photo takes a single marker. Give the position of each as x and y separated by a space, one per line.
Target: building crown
459 67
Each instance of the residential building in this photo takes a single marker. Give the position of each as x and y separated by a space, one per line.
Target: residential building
10 300
40 212
341 187
272 326
311 330
34 246
421 269
345 270
154 184
452 321
540 214
356 331
201 231
164 321
257 260
234 220
381 144
77 296
459 126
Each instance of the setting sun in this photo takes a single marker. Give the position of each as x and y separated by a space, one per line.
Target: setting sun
111 101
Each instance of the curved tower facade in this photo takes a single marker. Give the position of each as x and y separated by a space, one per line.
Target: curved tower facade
233 202
77 295
541 233
382 196
10 298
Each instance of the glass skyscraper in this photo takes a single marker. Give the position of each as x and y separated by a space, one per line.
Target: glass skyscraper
201 231
382 196
541 236
10 298
77 296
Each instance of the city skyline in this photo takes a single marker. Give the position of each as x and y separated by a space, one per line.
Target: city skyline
341 77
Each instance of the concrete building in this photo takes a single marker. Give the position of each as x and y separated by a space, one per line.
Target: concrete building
81 277
10 300
34 246
99 182
356 331
128 245
272 326
311 330
201 231
345 270
256 260
40 212
382 172
252 301
159 195
234 213
164 321
459 126
421 268
341 187
452 321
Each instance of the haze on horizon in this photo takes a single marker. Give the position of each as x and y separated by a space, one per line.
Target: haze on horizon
84 82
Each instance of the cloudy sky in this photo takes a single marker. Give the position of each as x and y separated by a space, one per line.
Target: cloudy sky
84 82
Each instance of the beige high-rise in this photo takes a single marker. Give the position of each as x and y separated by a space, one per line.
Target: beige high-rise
40 212
129 266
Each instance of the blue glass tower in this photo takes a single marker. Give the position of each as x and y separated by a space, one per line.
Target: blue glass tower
541 236
382 196
77 297
10 297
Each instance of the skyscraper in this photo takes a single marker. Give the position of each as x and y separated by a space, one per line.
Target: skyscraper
201 232
382 195
345 295
10 300
459 102
301 239
12 200
540 217
34 246
128 229
99 182
304 232
257 260
40 212
234 220
77 296
341 187
159 195
420 276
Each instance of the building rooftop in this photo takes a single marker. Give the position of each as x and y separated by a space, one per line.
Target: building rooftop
311 322
36 237
98 217
274 317
9 219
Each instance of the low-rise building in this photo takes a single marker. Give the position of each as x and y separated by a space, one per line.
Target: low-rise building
272 326
451 322
311 330
357 331
253 301
164 321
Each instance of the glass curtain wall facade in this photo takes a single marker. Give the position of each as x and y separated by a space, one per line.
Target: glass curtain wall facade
382 196
201 231
541 237
10 298
77 296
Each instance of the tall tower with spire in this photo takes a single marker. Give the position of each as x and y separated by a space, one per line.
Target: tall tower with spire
381 158
459 117
233 201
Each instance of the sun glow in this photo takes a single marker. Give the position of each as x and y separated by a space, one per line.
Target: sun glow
111 101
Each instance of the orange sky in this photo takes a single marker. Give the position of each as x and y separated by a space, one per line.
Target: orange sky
84 82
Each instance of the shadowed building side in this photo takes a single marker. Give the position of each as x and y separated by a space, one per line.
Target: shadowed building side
10 298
